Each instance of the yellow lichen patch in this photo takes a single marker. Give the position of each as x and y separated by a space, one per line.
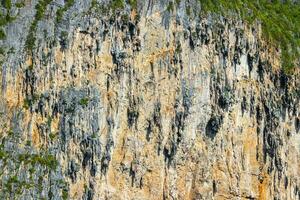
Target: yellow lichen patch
13 92
263 188
103 61
183 181
219 173
112 177
11 97
116 180
29 62
77 189
250 164
249 144
152 184
94 77
167 110
133 14
58 56
111 95
162 53
35 136
36 140
55 124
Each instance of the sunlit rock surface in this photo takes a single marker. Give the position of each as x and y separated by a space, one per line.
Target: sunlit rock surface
152 104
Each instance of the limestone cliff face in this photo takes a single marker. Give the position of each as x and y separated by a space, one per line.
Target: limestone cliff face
152 104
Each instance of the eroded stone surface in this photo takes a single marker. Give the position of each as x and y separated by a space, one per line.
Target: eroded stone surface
154 107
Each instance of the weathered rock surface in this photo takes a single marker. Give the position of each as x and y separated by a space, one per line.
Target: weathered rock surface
147 105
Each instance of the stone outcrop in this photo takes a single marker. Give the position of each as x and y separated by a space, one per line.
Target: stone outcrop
153 104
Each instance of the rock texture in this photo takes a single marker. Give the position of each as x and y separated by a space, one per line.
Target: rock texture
153 104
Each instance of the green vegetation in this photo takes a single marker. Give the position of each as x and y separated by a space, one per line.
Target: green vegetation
27 103
13 184
6 4
170 6
2 51
40 12
46 160
26 159
133 4
84 101
117 4
188 10
280 22
2 34
112 6
28 143
19 160
6 19
49 121
65 194
20 4
52 136
60 12
94 3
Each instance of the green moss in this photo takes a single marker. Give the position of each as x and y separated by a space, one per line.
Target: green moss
20 4
3 154
65 194
178 48
99 8
10 182
94 135
64 36
50 194
125 18
52 136
26 103
30 41
117 4
59 14
6 4
133 4
49 121
170 6
10 133
2 51
28 143
94 3
2 34
84 101
40 184
6 19
29 101
188 10
11 50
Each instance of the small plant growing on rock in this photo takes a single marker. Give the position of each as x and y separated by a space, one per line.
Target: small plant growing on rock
2 34
84 101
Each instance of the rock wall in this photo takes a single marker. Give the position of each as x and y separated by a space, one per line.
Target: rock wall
153 104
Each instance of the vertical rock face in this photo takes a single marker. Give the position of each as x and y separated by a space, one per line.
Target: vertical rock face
148 105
